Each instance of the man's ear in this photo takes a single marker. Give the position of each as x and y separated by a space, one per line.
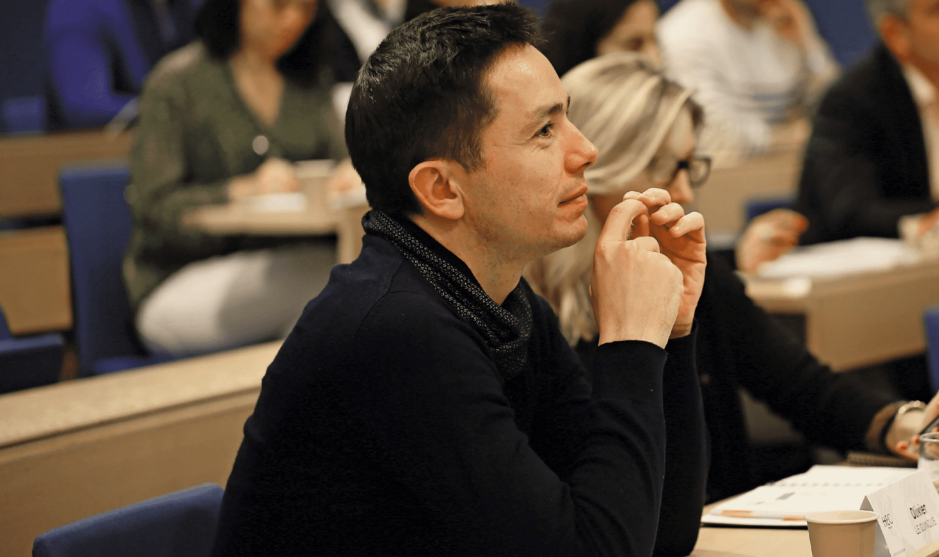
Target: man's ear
893 32
437 184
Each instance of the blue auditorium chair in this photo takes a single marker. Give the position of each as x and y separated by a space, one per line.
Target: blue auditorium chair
931 319
24 114
757 206
27 362
180 524
98 224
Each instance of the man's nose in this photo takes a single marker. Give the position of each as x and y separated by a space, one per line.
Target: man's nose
581 153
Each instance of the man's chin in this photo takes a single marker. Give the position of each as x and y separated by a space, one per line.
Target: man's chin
573 234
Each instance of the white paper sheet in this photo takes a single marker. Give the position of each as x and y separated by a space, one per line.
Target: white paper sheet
847 257
822 488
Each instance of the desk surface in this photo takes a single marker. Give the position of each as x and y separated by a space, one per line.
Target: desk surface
858 320
317 219
752 542
723 199
85 403
724 541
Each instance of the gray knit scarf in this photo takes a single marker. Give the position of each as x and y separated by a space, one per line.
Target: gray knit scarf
505 328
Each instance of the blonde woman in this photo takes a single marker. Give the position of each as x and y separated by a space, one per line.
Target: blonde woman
645 128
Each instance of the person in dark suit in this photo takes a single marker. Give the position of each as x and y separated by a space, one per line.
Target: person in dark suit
873 156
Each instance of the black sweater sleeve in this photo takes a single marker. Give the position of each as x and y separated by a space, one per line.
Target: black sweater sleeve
438 419
686 453
833 409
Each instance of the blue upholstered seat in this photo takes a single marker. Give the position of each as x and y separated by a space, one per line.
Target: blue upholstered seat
27 362
757 206
931 320
180 524
98 225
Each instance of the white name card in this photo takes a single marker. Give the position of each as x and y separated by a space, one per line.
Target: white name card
909 515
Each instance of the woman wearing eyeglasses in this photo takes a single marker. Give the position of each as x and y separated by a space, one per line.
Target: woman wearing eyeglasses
645 128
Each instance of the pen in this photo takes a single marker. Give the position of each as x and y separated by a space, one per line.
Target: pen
761 514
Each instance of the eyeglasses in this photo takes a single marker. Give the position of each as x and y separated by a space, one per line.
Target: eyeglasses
664 170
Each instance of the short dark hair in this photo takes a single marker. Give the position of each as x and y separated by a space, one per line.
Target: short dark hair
572 29
218 24
421 95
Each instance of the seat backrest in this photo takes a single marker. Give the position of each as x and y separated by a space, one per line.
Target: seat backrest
180 524
98 224
28 362
845 26
4 327
931 319
757 206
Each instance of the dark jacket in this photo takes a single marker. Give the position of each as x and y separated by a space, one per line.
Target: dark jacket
865 163
384 428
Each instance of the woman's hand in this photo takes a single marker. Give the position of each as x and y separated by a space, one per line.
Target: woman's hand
681 239
273 176
903 438
769 236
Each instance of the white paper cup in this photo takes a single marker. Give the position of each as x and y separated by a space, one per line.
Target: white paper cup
842 533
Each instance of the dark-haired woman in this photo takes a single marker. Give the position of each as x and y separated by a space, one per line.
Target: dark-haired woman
222 119
578 30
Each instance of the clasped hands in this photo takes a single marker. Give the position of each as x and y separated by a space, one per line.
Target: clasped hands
648 269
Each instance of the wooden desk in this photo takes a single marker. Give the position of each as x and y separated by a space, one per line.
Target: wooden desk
83 447
722 200
34 280
854 321
714 541
237 218
29 167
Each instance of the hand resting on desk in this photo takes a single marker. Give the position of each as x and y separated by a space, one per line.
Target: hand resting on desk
273 176
768 237
903 436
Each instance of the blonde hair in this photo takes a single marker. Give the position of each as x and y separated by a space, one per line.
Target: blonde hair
626 107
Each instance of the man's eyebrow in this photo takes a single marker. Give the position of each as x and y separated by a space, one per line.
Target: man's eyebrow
552 110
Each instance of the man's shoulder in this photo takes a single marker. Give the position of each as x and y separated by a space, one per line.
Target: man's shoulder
189 63
380 290
869 83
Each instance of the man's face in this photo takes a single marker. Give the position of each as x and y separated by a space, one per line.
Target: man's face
922 27
529 195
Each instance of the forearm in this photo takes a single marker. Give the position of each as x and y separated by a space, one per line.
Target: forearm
686 453
161 189
833 409
621 467
161 205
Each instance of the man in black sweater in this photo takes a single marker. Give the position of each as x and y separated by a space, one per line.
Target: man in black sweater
426 402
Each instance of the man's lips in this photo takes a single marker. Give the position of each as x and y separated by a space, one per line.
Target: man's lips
576 195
